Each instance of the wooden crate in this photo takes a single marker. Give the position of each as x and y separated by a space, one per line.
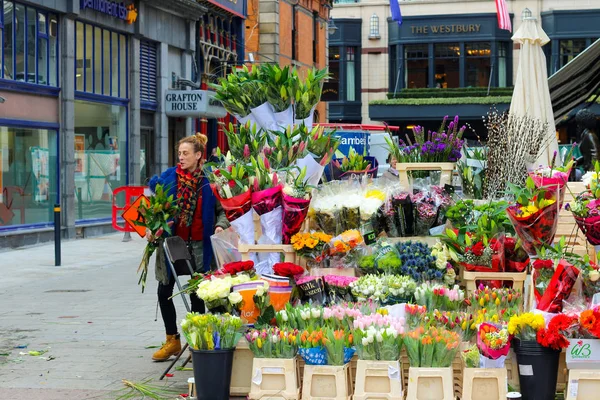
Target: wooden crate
274 379
470 278
584 384
288 251
484 383
378 380
327 382
446 170
241 373
431 383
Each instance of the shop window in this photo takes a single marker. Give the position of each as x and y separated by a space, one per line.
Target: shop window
100 155
351 85
447 69
416 66
478 63
331 87
100 61
502 70
28 54
569 49
28 176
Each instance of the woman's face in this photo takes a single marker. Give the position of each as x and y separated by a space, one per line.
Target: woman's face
188 159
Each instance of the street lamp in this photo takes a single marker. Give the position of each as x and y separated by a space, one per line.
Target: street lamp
331 28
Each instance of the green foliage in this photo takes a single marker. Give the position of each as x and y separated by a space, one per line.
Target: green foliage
424 93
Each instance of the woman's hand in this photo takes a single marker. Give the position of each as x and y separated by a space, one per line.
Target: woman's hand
218 229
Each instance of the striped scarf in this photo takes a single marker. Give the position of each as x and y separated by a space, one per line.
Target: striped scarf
187 193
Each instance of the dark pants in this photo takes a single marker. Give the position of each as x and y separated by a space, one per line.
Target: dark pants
167 308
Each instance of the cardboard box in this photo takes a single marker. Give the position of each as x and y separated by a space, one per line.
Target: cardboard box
583 354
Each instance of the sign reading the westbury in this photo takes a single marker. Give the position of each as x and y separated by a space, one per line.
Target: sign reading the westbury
441 29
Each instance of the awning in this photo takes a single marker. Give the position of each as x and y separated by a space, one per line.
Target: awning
574 83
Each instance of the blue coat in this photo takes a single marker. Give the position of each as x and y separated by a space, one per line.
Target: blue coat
168 180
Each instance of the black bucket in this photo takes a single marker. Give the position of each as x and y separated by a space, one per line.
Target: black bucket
538 369
212 373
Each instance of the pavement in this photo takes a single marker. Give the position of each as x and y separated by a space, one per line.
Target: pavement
88 314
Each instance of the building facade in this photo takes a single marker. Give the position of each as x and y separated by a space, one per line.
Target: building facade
444 44
83 85
289 32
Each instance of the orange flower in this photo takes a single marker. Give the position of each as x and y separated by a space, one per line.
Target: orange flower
588 320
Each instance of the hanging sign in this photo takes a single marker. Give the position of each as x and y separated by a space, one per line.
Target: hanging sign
193 103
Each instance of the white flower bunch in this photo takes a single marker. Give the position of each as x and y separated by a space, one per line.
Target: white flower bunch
441 254
369 287
219 288
400 286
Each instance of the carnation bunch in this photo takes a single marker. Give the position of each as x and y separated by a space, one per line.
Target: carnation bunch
526 326
273 342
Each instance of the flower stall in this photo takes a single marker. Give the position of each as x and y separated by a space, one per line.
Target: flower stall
355 285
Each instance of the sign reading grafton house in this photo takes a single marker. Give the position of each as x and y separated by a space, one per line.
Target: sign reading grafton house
112 8
193 103
435 29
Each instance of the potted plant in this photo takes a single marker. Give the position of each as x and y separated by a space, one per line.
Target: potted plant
212 340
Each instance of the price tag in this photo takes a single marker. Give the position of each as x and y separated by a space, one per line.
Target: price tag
574 388
526 370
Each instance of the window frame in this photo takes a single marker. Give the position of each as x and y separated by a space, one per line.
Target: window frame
374 27
39 36
86 92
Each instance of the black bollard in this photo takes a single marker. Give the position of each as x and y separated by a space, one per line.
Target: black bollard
57 235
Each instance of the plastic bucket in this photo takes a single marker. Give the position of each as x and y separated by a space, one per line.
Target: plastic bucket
212 373
538 369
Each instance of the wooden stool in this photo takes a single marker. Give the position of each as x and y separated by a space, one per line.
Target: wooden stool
484 383
327 382
446 170
584 384
274 378
378 380
430 383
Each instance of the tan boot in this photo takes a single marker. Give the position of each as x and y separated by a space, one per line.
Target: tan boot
171 347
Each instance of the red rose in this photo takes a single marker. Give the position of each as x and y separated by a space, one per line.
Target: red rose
477 249
287 269
232 183
235 267
540 264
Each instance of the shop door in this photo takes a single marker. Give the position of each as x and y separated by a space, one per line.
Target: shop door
176 133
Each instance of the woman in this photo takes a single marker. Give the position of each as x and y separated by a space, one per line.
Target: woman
200 215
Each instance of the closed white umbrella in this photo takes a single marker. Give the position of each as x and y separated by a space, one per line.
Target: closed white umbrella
531 95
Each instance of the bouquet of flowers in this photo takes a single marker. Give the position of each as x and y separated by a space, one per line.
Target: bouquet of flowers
589 321
216 292
472 171
439 297
340 316
338 287
157 213
273 342
526 326
554 175
431 348
311 246
414 315
429 208
287 269
211 332
555 335
354 164
307 95
237 267
343 250
534 215
400 289
338 345
418 262
586 207
296 201
304 317
312 347
245 141
515 257
471 357
378 338
368 287
495 304
590 277
493 343
459 321
321 146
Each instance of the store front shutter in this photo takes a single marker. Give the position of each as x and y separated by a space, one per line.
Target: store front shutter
148 68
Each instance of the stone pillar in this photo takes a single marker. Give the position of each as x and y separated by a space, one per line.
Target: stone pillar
163 81
268 11
134 113
67 126
186 73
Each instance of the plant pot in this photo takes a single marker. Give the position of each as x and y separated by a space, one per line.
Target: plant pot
212 373
538 369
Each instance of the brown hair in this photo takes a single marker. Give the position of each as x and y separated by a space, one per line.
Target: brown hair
198 141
